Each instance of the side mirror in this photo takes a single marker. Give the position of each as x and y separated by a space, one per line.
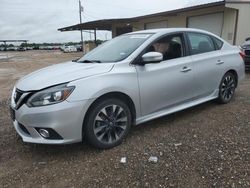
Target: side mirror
248 38
152 57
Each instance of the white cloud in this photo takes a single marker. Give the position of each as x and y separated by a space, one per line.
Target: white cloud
38 21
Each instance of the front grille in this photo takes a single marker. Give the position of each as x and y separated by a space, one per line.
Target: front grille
20 98
18 95
23 129
247 52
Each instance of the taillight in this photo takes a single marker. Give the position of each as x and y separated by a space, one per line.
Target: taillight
242 54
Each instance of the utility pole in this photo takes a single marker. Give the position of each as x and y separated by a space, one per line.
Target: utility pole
80 14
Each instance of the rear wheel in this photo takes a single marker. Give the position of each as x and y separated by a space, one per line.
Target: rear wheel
227 88
108 123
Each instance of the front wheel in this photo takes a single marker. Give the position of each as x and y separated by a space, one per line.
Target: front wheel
107 124
227 88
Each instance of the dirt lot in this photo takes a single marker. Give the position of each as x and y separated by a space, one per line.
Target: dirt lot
205 146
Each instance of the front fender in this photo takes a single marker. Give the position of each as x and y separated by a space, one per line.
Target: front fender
93 87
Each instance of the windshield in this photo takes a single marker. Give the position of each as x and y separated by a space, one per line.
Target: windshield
116 49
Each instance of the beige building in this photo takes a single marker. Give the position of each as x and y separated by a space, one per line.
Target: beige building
226 18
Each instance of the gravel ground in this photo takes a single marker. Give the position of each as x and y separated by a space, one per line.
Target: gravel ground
205 146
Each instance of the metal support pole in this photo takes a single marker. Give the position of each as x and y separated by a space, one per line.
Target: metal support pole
95 37
80 14
5 46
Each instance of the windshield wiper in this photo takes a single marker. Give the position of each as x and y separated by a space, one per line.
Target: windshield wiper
89 61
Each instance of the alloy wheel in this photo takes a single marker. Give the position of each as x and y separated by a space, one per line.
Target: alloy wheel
228 87
110 124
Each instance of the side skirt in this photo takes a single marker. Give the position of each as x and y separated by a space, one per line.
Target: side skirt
174 109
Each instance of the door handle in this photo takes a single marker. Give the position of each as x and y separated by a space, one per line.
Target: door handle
186 69
219 62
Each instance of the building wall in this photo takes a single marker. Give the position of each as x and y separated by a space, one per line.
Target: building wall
180 20
228 31
116 25
243 28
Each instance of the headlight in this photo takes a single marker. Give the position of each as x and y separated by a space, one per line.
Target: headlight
50 96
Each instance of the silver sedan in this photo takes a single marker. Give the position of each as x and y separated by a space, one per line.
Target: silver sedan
126 81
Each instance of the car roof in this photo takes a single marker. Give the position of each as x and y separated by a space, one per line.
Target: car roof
170 30
246 42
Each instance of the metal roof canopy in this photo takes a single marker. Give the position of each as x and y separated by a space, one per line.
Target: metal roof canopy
106 24
13 41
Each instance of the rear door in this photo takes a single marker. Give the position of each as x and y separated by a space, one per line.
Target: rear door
208 63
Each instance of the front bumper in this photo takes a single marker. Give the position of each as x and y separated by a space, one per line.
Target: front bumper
65 118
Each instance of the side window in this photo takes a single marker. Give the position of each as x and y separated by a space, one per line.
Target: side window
200 43
171 46
218 43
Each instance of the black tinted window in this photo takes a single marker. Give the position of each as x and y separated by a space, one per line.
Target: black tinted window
200 43
171 46
218 43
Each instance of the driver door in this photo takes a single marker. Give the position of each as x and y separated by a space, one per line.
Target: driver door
167 83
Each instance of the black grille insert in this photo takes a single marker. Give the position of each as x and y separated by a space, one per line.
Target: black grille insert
247 52
20 98
23 129
18 95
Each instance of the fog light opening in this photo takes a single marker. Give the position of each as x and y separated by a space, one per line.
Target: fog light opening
48 133
44 133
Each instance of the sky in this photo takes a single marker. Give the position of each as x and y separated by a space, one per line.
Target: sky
38 20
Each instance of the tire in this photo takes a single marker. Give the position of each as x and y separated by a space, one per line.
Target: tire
227 88
107 123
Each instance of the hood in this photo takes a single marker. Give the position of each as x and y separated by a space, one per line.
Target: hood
61 73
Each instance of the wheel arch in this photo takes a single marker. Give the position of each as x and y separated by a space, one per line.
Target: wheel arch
117 95
234 72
